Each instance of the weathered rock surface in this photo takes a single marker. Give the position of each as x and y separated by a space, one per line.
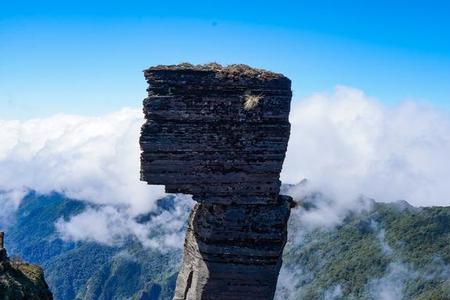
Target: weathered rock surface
20 280
220 134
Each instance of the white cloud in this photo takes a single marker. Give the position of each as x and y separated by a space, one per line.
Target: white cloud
289 281
348 144
95 159
9 202
87 158
112 226
392 285
333 293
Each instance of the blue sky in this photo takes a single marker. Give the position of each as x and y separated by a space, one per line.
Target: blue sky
86 57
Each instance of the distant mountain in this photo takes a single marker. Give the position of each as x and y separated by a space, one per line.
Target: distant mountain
87 270
394 251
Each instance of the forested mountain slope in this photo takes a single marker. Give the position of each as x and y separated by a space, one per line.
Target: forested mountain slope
393 251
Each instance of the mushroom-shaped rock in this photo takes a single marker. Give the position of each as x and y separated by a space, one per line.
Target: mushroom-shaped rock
220 134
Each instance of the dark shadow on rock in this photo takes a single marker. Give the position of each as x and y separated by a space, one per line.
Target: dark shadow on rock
233 251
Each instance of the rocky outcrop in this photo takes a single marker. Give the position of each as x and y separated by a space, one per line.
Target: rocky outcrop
220 134
20 280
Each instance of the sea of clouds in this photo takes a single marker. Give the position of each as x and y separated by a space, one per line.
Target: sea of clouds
346 144
353 148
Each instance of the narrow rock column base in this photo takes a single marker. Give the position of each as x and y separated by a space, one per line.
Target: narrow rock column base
236 259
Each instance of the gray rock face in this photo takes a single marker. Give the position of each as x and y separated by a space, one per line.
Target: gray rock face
220 134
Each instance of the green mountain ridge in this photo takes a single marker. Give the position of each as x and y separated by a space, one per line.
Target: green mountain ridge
88 270
393 251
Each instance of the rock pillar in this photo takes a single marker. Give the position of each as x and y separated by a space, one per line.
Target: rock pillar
3 253
220 134
2 240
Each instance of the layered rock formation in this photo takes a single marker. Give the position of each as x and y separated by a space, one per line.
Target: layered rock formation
20 280
220 134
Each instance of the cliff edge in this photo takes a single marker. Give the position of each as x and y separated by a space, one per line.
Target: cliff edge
20 280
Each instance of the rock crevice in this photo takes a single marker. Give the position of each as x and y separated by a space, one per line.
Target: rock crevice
202 137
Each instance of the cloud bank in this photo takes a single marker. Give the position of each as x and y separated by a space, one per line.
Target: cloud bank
92 159
95 159
346 143
112 226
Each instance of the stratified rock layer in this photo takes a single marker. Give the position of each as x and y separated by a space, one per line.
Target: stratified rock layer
220 134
